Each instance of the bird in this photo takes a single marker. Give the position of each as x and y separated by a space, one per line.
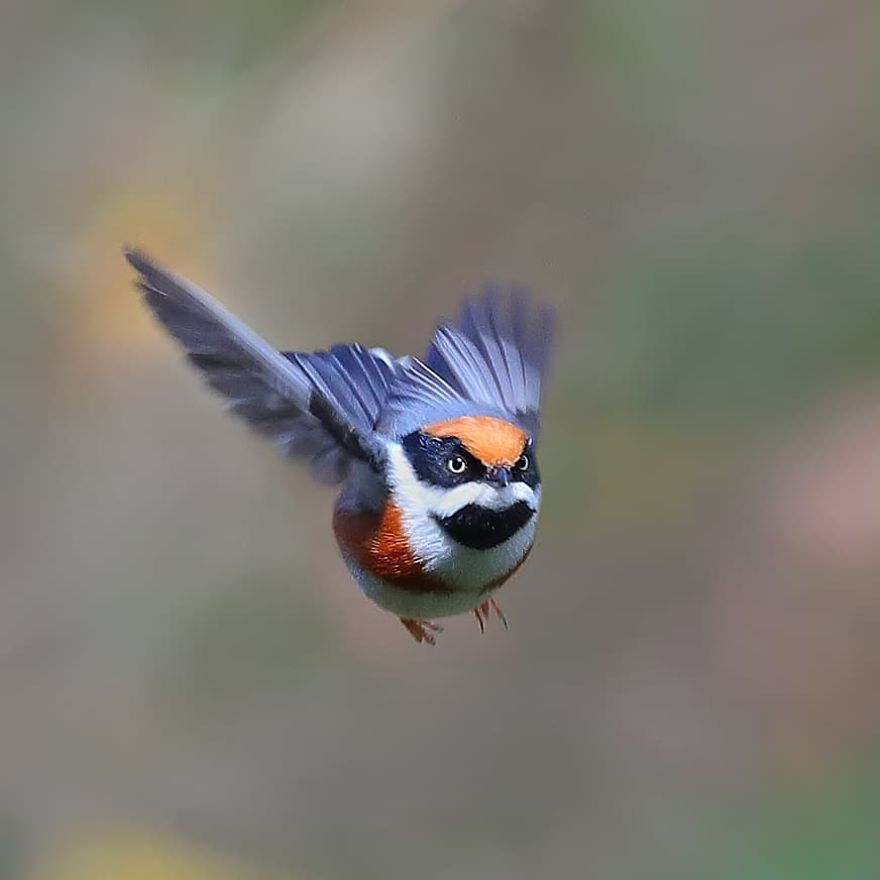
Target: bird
435 457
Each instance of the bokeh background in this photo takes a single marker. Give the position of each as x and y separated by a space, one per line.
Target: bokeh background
191 688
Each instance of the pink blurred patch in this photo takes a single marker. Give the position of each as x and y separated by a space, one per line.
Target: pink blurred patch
824 502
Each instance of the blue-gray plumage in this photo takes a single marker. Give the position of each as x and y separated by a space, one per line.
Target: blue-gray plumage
496 353
405 534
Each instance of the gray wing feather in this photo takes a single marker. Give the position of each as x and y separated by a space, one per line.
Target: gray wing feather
496 353
418 385
352 377
306 412
416 396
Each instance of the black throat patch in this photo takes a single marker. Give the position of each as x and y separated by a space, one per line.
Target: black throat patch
481 528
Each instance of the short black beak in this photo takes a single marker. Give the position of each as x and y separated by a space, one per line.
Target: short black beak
498 475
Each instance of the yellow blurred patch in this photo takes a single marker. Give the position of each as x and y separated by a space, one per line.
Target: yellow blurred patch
113 854
101 319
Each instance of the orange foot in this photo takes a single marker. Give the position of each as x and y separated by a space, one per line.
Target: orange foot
422 630
482 613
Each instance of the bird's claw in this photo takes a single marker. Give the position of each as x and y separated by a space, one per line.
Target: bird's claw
483 611
422 630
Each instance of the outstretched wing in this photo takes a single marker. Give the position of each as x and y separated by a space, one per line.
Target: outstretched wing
316 406
496 353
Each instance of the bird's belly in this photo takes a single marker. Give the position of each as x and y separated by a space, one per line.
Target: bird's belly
421 601
462 583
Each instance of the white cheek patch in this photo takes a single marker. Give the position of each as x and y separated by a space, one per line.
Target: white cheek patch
444 502
420 504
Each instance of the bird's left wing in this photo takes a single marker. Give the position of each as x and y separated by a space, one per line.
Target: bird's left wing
307 403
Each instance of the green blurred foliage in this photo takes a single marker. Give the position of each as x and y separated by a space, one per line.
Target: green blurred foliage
721 328
821 831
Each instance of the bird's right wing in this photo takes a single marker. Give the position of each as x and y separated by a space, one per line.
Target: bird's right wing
316 406
496 353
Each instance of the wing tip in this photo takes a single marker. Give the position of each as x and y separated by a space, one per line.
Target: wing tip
137 258
146 282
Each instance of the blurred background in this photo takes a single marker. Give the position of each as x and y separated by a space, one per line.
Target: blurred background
192 688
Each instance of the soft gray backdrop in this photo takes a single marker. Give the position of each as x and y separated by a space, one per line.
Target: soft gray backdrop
190 685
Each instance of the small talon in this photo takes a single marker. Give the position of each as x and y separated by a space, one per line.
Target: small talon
484 610
480 619
422 630
497 609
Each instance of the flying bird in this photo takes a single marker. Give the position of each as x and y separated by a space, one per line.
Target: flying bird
436 457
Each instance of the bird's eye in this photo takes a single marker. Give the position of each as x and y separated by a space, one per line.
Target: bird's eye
456 464
522 463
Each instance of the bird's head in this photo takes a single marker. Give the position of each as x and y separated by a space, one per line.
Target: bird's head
476 476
